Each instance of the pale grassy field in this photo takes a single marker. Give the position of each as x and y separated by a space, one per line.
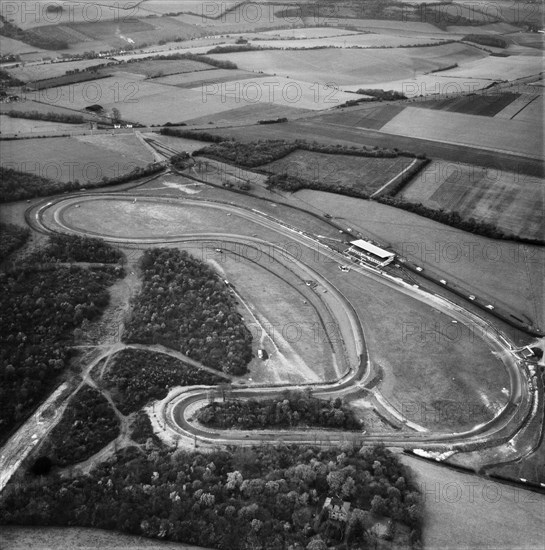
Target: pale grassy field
533 111
463 511
513 202
13 125
87 158
507 274
353 66
486 132
498 68
50 70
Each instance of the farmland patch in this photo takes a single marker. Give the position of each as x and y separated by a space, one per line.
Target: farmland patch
489 133
364 174
354 66
512 202
476 104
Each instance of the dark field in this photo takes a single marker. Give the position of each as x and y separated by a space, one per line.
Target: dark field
481 105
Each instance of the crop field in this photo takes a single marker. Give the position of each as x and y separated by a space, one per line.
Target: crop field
29 105
155 68
481 104
28 73
516 106
195 79
506 274
16 47
220 173
390 25
306 32
372 116
348 172
513 12
490 133
87 158
354 66
513 202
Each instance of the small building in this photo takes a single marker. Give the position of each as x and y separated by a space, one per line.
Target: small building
262 354
364 251
337 509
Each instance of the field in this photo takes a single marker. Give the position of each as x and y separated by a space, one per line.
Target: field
30 72
533 110
210 77
349 172
453 499
86 158
148 102
498 68
504 273
490 133
481 104
354 66
11 125
513 202
250 114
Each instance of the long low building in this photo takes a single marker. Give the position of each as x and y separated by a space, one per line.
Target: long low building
365 251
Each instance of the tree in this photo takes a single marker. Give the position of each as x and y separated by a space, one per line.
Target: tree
116 115
317 544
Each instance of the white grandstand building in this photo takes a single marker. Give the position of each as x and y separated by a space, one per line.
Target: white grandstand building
364 251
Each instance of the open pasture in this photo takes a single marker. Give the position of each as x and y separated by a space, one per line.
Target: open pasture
513 202
497 68
29 72
354 66
349 172
87 158
363 40
14 125
250 114
489 132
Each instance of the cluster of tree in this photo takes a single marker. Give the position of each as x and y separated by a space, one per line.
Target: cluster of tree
40 306
294 409
16 185
87 425
34 38
261 497
454 219
53 117
136 377
7 80
64 80
142 430
235 48
382 95
186 306
273 120
487 40
12 237
76 248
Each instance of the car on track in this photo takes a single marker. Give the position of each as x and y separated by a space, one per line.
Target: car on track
344 268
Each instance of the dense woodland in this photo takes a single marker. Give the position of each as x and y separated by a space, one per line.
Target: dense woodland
16 185
76 248
136 377
40 306
295 409
186 306
12 237
87 425
261 497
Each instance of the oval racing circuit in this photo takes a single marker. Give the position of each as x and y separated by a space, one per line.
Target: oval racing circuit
65 215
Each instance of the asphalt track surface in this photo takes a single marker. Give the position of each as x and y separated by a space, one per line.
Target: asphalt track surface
178 407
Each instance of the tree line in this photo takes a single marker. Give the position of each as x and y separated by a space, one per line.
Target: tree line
50 116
